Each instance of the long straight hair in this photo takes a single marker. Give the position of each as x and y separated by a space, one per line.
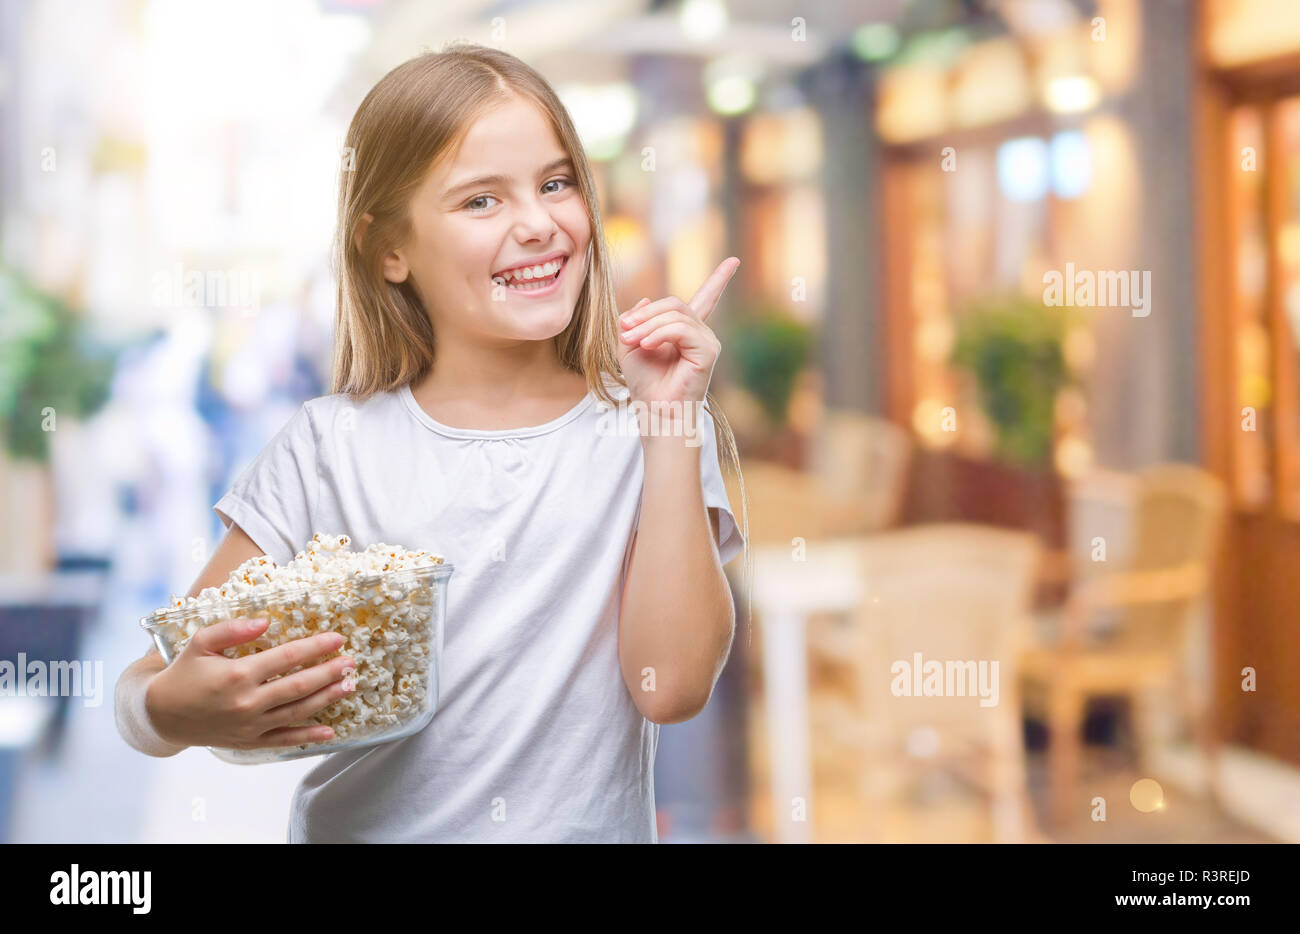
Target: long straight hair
414 116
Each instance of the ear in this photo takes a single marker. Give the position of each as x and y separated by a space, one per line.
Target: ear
395 268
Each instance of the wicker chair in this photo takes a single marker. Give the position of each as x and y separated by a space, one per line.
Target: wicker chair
856 484
1145 611
953 592
861 462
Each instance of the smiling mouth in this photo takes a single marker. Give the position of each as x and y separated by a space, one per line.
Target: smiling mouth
515 284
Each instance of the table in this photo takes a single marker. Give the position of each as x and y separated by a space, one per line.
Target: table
787 589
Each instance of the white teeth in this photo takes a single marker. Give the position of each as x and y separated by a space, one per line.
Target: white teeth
530 286
526 273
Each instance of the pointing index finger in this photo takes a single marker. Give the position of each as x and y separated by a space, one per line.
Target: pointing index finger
706 299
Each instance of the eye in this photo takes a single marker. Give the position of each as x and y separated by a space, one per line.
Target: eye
479 198
566 182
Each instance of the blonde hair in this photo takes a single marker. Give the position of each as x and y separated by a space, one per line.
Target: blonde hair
415 116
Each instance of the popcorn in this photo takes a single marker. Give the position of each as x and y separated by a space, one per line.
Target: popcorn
386 619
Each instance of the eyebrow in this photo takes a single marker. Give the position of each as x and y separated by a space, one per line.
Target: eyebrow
562 162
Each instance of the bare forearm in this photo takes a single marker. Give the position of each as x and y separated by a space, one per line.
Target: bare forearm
678 617
132 718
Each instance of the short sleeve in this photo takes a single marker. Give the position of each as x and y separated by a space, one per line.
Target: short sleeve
715 491
274 498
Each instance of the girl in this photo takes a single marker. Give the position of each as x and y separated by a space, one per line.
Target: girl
479 360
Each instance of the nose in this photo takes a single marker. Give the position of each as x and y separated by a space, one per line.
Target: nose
534 221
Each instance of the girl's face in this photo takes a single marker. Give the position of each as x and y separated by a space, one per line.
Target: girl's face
509 199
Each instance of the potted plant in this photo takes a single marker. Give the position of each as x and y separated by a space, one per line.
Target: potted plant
769 349
50 369
1013 348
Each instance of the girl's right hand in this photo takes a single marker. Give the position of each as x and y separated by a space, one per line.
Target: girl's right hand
204 698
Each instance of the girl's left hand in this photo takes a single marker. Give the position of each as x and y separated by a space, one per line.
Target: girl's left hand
666 350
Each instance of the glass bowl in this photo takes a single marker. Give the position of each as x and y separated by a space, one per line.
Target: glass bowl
393 624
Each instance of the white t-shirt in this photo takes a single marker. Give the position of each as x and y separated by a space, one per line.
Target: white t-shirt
536 737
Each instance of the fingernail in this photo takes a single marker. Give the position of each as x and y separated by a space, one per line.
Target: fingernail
324 733
335 639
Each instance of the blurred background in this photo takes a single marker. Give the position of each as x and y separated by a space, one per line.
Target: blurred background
1012 357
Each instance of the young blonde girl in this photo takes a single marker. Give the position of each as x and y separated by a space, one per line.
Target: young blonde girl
483 379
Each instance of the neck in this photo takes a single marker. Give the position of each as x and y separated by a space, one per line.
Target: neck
492 374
